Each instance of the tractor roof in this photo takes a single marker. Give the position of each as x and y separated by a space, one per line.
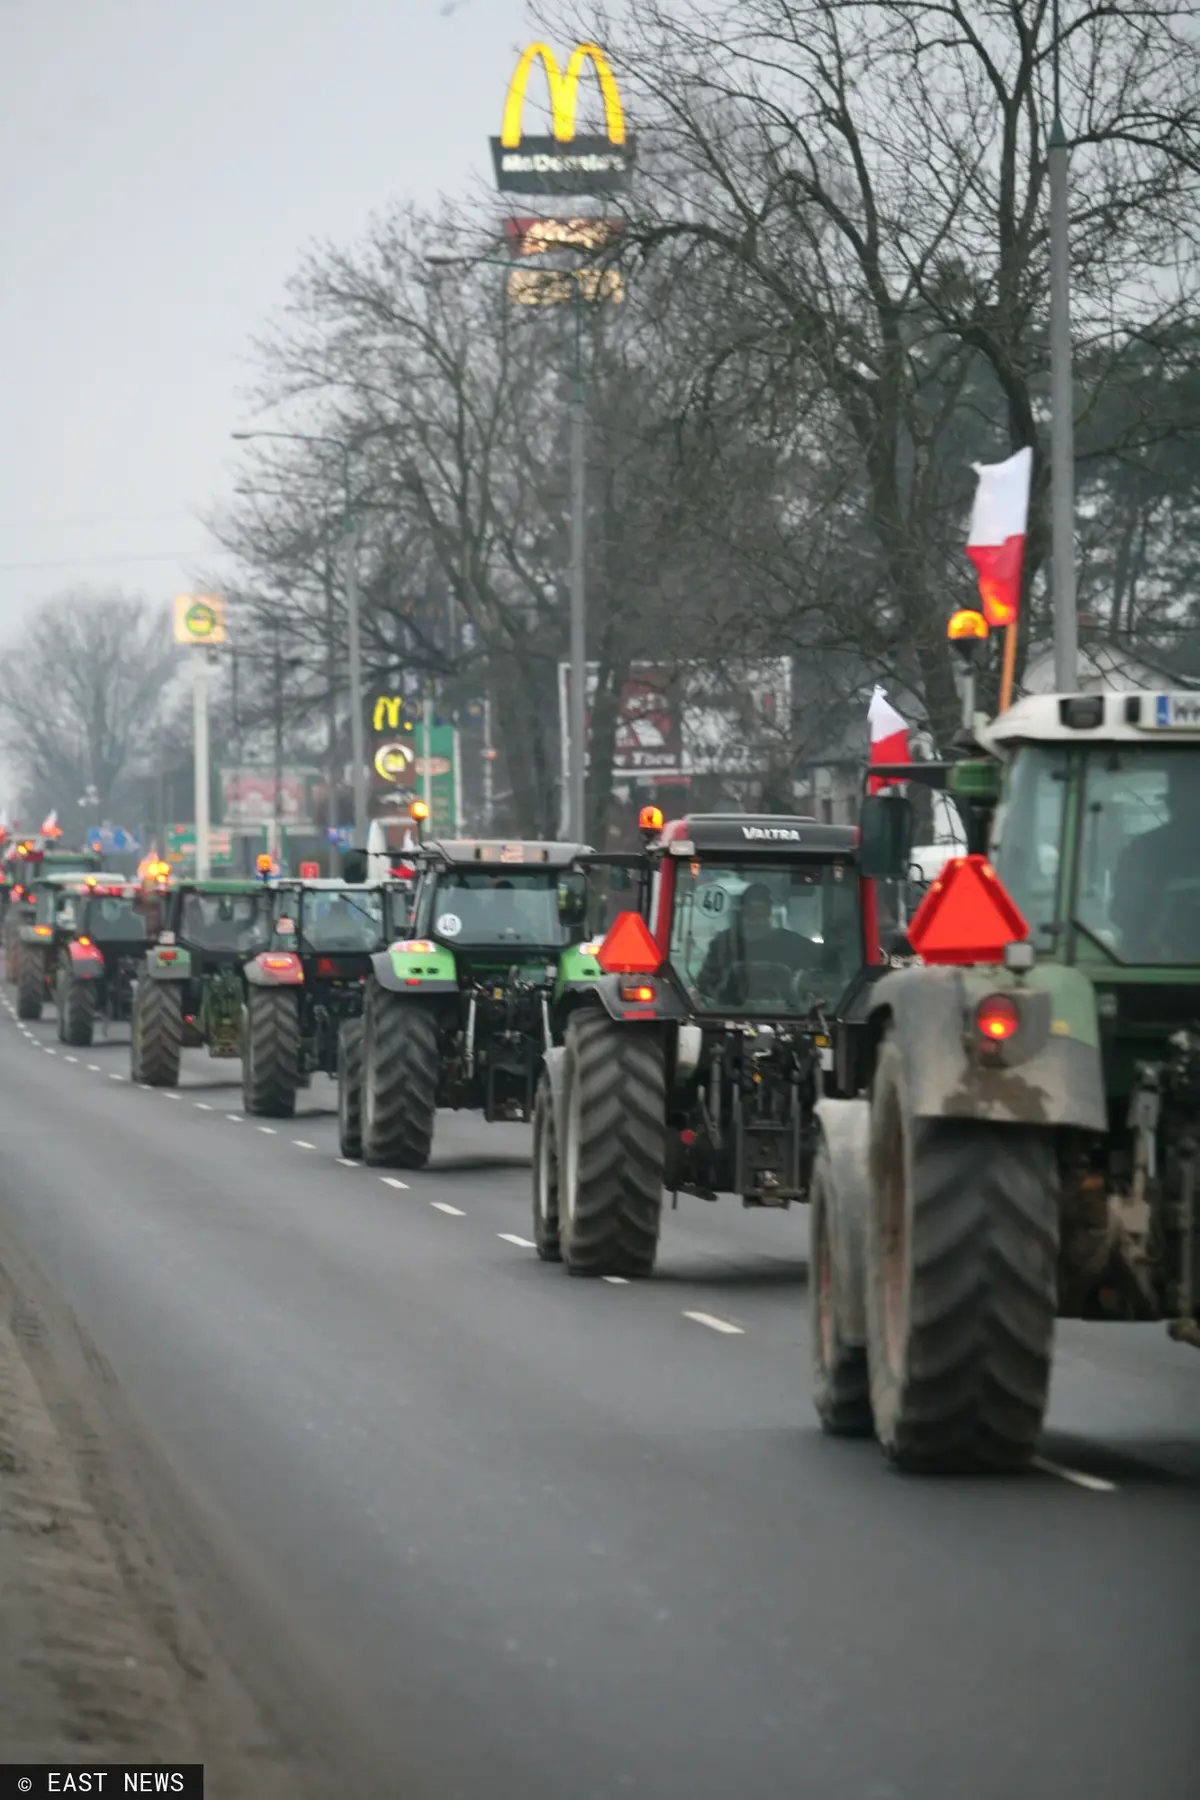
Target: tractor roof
1125 718
765 834
221 887
470 852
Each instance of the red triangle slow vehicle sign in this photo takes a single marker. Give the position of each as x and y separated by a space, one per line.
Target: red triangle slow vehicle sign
967 916
628 948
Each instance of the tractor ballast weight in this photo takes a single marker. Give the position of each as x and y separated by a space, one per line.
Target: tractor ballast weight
1032 1118
705 1045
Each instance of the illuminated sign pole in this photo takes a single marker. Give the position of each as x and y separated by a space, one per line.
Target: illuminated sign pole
200 621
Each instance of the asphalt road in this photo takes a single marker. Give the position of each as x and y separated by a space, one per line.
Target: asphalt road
560 1540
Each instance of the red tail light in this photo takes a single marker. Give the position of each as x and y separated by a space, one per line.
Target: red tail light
997 1018
326 965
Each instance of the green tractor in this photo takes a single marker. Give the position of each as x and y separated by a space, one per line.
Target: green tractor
1028 1150
25 864
98 963
42 936
191 990
697 1061
459 1012
304 994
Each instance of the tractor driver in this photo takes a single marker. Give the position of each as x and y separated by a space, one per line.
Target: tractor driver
1154 860
753 939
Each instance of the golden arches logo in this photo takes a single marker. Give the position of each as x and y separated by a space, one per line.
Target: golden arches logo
564 93
388 706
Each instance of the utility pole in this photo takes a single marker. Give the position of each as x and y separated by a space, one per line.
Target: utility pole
200 761
331 677
277 808
1062 451
357 746
578 707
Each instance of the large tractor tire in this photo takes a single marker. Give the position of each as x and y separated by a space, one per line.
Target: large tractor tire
350 1080
545 1174
962 1250
12 954
399 1082
836 1217
31 985
611 1165
157 1035
271 1057
76 1010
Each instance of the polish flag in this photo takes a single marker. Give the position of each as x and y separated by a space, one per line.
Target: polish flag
996 544
889 738
50 824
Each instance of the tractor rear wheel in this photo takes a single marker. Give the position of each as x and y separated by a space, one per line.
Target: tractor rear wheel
545 1173
76 1010
350 1079
611 1182
841 1379
962 1252
157 1035
271 1059
31 984
400 1080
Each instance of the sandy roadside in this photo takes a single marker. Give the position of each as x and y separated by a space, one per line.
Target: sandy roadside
103 1657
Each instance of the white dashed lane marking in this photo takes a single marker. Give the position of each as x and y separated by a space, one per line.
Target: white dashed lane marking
510 1237
715 1324
302 1145
456 1212
201 1106
94 1068
348 1162
393 1181
113 1077
268 1130
614 1280
235 1118
1095 1484
74 1059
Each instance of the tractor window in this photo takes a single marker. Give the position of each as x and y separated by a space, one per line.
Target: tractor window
334 919
766 937
516 906
111 918
1027 835
1139 864
232 923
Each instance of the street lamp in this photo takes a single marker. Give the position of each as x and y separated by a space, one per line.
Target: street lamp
1062 403
349 538
577 713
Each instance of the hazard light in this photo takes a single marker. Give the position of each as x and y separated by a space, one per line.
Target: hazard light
418 811
967 915
997 1018
650 819
628 948
966 623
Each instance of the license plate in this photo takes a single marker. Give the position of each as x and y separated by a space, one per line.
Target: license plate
1176 712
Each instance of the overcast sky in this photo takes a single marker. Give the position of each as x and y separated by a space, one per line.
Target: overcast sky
162 166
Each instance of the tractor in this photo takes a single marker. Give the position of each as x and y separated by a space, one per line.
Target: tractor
698 1059
98 962
1027 1147
191 989
460 1011
42 936
304 994
25 861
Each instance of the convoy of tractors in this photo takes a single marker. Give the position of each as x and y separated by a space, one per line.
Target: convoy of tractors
989 1108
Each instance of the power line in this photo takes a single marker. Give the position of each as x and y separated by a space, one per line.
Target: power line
100 519
86 562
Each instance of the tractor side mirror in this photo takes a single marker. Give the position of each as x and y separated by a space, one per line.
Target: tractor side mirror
572 897
354 866
885 825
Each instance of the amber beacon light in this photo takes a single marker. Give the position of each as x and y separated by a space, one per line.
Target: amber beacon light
567 162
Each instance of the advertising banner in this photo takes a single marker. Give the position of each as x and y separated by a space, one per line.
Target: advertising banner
248 796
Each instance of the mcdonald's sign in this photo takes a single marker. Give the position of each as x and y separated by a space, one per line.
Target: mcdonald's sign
389 713
565 163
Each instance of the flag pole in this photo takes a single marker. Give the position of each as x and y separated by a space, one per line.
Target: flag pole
1009 666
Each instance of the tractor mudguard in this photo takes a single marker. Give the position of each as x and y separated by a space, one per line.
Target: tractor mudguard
578 970
845 1131
169 962
275 968
664 1004
555 1064
429 970
40 938
1052 1075
86 964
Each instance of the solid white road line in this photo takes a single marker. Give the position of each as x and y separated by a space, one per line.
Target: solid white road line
393 1181
714 1324
510 1237
456 1212
1095 1484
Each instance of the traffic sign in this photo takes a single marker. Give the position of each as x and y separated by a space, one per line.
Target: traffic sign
966 916
628 948
112 840
181 844
199 619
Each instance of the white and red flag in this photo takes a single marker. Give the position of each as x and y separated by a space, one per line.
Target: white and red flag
996 544
50 824
889 739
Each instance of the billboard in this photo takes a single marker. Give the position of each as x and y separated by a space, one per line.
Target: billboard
248 796
539 237
567 162
199 619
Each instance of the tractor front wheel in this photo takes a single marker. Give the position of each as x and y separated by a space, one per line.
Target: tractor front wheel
157 1036
962 1252
350 1079
611 1164
545 1174
271 1061
400 1080
841 1380
31 984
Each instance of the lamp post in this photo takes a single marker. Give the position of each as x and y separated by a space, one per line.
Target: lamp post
350 568
577 707
1062 453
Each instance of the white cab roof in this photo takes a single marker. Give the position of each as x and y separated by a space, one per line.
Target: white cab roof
1123 718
